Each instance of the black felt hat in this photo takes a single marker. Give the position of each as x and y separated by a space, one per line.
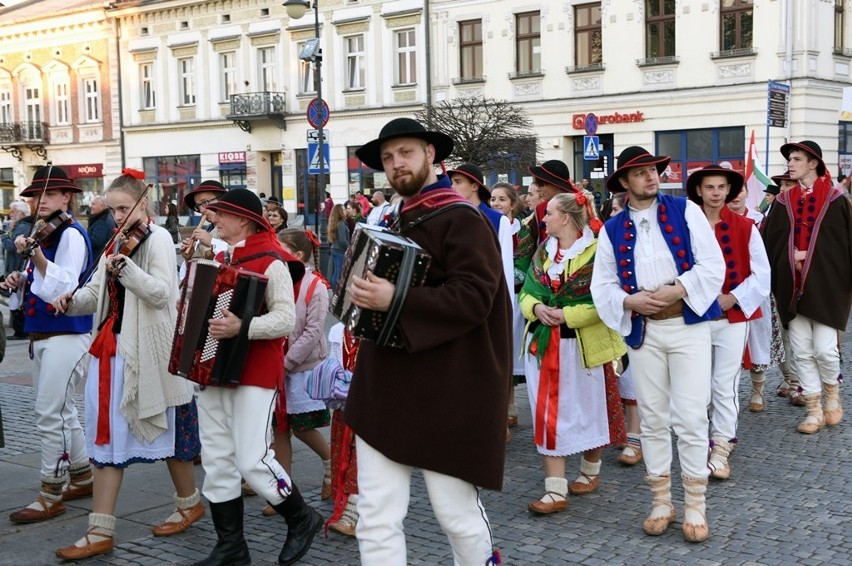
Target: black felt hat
554 172
634 156
49 178
209 186
473 173
777 179
811 148
241 202
370 153
735 179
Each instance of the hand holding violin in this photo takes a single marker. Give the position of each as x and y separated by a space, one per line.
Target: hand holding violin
115 263
12 281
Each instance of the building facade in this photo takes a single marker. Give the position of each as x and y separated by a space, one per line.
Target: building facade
58 94
217 89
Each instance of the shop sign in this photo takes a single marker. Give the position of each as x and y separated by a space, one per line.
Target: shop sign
232 157
579 121
86 171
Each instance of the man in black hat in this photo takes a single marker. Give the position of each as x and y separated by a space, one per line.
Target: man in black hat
745 288
58 341
456 360
658 272
234 422
808 239
469 182
551 177
204 241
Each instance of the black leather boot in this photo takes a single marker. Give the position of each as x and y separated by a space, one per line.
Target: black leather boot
303 523
231 548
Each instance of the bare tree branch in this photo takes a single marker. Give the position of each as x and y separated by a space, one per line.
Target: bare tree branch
492 134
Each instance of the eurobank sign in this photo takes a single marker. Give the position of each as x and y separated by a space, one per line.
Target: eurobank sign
578 121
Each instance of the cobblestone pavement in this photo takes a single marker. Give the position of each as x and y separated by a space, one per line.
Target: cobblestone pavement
788 502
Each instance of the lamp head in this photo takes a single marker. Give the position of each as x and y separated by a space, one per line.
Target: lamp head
296 8
311 51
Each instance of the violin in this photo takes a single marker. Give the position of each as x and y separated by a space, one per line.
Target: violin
128 241
45 229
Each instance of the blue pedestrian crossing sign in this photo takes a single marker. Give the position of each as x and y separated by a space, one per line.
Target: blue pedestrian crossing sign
591 148
313 152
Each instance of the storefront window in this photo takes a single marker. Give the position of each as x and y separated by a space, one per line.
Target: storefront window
173 176
307 199
361 177
691 150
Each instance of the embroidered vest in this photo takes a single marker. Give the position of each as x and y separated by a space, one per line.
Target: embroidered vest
40 316
733 233
672 221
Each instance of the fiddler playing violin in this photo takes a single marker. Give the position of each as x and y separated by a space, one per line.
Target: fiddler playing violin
133 405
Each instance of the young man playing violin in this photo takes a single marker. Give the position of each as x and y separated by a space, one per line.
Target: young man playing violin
59 253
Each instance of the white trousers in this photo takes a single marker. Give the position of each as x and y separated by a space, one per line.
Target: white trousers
729 341
671 374
56 375
815 355
234 426
384 489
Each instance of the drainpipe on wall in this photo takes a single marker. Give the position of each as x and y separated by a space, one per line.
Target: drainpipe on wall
117 25
788 58
428 34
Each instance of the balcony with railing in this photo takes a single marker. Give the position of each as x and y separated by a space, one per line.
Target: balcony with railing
255 106
30 135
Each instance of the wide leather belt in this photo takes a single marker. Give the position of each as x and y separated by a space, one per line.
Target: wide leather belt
674 310
36 336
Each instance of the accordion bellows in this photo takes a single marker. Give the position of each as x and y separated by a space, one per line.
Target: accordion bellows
388 255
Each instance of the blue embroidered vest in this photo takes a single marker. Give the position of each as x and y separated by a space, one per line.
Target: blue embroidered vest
40 316
672 221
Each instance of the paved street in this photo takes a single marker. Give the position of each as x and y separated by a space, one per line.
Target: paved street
789 501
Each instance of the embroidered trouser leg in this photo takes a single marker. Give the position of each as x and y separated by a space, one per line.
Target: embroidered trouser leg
815 354
383 495
729 342
671 374
234 426
56 375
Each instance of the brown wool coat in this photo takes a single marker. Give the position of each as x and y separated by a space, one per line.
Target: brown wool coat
440 402
827 296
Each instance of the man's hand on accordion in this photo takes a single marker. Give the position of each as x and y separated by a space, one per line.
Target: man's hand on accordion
226 327
373 293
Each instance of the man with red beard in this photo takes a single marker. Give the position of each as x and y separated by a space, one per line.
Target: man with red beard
808 237
450 379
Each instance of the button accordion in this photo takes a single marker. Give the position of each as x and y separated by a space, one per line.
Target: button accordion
210 288
388 255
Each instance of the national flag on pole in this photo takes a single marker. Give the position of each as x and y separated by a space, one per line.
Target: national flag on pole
755 177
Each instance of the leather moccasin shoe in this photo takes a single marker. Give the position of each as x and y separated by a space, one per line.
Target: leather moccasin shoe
72 492
47 511
188 517
590 485
546 508
343 527
91 549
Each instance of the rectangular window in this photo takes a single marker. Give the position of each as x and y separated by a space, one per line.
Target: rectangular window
32 105
470 47
92 100
737 19
588 39
266 69
693 149
176 175
660 28
147 95
355 73
5 107
528 43
186 89
406 57
60 107
839 44
306 73
227 75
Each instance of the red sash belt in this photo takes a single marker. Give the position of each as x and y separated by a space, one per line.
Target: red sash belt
104 348
547 401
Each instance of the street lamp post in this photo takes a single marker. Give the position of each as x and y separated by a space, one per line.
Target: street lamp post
313 53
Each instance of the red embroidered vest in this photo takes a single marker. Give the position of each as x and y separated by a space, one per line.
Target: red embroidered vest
733 233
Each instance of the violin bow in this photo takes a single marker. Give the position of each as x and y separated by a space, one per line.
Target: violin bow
35 227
